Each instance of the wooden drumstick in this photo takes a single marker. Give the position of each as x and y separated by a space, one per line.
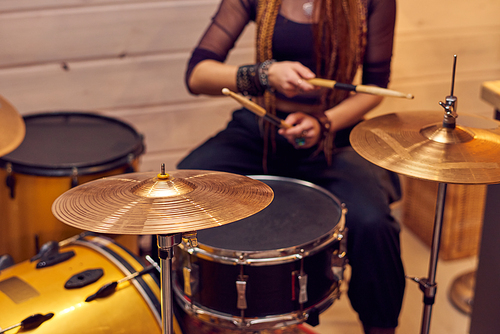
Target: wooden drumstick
256 109
358 88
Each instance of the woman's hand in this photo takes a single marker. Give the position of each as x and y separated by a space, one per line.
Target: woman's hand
289 78
306 130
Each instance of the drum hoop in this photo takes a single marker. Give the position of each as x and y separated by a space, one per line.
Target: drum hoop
85 168
271 321
273 256
141 286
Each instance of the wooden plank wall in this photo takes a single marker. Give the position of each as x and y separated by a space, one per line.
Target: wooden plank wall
126 59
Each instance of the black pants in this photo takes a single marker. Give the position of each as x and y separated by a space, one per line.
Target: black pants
377 282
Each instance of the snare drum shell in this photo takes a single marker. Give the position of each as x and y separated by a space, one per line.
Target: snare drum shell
42 170
26 290
270 290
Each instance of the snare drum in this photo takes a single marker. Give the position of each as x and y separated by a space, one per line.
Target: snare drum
134 307
60 150
277 267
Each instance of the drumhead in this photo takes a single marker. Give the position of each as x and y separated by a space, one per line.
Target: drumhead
300 213
57 142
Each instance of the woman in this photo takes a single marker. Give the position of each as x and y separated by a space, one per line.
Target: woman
299 40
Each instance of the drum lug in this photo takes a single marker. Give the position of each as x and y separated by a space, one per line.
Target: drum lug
54 259
241 286
339 258
10 181
74 177
84 278
302 289
191 279
130 160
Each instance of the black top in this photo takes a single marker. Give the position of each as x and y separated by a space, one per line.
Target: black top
294 41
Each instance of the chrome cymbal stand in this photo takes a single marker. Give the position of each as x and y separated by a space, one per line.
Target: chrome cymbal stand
428 285
166 244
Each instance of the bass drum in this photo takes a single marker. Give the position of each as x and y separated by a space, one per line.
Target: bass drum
281 266
28 288
60 150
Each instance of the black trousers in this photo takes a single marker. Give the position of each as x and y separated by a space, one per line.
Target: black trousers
377 281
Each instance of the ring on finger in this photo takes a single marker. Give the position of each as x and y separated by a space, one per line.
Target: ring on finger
300 141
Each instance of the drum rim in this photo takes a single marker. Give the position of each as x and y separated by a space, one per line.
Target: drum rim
274 256
85 168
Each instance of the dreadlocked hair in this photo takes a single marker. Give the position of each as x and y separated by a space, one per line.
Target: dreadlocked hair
339 40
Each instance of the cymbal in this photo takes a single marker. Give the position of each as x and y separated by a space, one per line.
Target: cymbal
415 144
165 203
12 128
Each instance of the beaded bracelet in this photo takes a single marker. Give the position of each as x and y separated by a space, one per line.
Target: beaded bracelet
252 79
263 73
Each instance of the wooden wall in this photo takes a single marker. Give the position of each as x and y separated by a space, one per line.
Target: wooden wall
126 59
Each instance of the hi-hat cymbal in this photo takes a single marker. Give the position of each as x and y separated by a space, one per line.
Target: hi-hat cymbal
150 203
12 128
416 144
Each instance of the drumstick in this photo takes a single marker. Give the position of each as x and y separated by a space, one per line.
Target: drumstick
358 88
256 109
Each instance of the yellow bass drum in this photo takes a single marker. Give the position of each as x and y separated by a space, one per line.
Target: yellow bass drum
29 288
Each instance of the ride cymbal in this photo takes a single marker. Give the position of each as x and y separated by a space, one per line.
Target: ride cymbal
416 144
150 203
12 128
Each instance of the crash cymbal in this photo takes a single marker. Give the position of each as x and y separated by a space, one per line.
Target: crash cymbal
165 203
415 144
12 128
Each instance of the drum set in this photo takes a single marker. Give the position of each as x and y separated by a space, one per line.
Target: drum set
242 259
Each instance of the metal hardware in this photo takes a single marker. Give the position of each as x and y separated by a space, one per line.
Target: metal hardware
302 288
241 286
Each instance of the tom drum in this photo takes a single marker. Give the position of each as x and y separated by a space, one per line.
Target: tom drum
60 150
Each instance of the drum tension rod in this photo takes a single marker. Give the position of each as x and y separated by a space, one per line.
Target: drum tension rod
109 288
31 322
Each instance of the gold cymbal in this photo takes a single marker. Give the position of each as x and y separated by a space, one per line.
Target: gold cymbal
415 144
12 127
150 203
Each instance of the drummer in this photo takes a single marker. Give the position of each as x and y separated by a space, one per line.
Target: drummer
298 40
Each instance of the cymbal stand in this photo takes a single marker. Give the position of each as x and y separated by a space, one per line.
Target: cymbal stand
428 285
165 253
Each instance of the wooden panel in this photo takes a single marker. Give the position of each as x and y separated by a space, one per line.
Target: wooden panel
151 162
429 16
490 93
428 94
180 126
91 32
17 5
428 54
99 84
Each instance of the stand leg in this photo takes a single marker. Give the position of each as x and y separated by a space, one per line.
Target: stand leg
165 252
428 286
